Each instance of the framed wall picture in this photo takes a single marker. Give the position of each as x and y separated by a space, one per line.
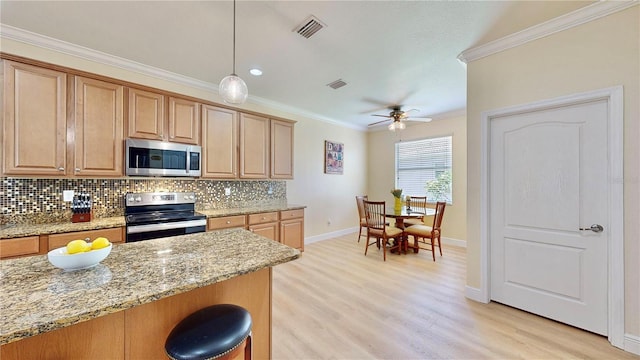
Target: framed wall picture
333 157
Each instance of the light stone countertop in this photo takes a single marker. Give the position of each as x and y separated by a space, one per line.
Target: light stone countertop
36 297
12 231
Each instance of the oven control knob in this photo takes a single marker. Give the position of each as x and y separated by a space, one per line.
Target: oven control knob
138 199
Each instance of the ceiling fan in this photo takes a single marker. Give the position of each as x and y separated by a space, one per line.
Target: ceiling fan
398 117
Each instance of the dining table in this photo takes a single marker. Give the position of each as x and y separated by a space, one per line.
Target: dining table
407 213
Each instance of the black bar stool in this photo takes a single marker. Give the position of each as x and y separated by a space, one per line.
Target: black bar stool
215 332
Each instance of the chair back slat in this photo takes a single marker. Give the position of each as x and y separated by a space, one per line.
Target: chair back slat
360 201
375 214
418 202
437 217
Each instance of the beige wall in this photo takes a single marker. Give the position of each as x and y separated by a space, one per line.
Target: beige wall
381 171
595 55
327 197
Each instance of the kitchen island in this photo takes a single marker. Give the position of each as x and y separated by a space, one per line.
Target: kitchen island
124 307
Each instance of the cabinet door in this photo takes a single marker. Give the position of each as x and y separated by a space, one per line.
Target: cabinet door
34 124
99 114
115 235
254 147
292 233
19 247
184 121
281 149
268 230
146 115
219 143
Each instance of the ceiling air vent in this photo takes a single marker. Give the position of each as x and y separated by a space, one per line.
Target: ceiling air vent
337 84
309 26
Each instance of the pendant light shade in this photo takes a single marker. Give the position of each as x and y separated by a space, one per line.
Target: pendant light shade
233 89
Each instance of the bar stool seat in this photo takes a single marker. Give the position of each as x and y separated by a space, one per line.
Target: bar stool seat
214 332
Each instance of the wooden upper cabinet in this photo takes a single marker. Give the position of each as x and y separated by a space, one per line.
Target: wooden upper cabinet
219 143
184 121
146 115
254 147
99 133
34 125
281 149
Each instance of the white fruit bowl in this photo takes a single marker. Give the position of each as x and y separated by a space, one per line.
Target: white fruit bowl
60 258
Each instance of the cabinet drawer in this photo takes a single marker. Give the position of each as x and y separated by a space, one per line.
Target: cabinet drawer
226 222
263 218
291 214
19 247
59 240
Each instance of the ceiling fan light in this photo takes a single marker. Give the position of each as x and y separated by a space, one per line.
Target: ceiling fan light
233 90
396 125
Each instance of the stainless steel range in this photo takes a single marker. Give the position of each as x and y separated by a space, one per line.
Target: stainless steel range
161 214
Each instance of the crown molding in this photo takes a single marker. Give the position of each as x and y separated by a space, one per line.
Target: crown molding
30 38
580 16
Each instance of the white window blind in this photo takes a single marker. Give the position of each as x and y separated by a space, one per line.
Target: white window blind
423 167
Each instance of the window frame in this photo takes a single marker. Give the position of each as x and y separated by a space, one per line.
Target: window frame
436 169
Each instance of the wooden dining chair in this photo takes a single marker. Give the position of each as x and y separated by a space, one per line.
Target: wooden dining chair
363 220
377 228
421 233
417 204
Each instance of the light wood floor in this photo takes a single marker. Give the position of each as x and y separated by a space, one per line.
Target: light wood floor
335 303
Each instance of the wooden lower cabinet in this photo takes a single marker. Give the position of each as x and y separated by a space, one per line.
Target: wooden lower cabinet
265 224
140 332
115 235
25 246
227 222
268 230
292 230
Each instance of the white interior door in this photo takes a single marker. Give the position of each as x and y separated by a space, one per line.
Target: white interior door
547 179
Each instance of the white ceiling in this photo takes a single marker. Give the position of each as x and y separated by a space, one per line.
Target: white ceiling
388 52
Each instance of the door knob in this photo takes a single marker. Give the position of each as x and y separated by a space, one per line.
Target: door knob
595 228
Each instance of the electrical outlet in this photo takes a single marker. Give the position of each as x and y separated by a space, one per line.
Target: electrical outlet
227 191
270 190
67 195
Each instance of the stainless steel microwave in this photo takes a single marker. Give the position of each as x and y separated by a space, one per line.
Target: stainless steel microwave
158 158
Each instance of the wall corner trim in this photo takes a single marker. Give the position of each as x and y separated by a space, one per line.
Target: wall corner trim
578 17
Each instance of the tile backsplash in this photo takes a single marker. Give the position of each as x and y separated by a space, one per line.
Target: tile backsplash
31 200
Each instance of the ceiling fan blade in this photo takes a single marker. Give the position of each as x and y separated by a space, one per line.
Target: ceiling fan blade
387 116
379 122
417 119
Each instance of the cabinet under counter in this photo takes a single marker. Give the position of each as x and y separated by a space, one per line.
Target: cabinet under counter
109 305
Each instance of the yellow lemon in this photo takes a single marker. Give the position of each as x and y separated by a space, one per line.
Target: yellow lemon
77 246
100 243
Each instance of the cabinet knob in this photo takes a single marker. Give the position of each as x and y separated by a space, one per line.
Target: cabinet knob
228 222
77 169
87 239
61 169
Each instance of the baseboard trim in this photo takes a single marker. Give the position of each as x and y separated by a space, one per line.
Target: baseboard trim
454 242
353 230
632 344
474 294
331 235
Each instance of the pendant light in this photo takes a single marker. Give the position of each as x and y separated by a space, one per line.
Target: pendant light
232 88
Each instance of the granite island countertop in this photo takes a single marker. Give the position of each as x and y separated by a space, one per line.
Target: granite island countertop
36 297
11 231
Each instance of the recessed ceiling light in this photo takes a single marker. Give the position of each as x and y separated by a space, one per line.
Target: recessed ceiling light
255 72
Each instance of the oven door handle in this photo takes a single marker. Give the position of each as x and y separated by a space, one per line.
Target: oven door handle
134 229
